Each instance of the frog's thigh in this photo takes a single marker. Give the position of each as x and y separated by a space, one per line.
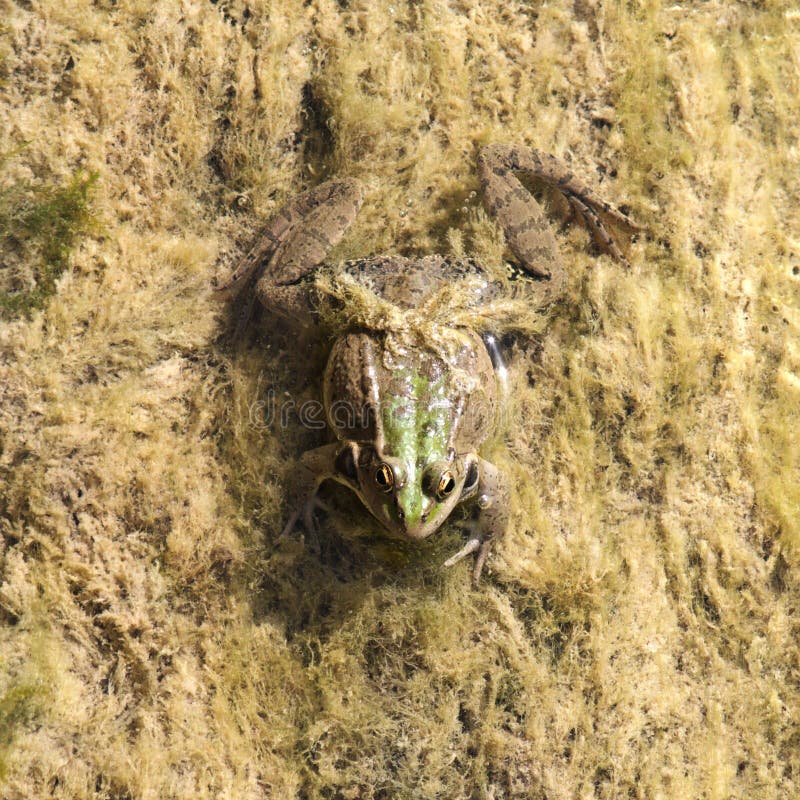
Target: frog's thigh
522 219
293 303
284 224
321 227
319 224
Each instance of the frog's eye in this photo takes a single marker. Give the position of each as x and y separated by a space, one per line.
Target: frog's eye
447 483
384 478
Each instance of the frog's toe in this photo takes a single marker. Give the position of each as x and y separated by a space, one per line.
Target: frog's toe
304 514
478 541
309 520
290 524
303 524
480 560
470 547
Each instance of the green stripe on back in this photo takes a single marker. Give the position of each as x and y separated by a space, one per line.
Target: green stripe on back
417 417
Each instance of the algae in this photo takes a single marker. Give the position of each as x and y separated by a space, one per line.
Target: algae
40 223
19 705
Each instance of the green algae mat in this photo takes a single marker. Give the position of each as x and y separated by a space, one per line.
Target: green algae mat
637 631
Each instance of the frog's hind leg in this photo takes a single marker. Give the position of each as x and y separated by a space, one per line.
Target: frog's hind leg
593 221
522 219
296 240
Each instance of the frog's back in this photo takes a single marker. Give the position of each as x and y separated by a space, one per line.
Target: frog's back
407 282
416 400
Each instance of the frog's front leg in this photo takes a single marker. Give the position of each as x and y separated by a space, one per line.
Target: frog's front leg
297 239
490 518
522 219
331 461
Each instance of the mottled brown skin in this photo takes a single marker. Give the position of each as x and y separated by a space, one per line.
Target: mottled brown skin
408 426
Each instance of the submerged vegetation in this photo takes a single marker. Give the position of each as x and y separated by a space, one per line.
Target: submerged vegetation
22 703
18 705
636 633
39 226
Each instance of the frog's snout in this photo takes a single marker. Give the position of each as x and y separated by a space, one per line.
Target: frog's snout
410 520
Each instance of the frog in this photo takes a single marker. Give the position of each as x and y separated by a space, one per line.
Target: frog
408 413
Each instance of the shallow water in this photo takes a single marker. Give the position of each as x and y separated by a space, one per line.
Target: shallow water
636 631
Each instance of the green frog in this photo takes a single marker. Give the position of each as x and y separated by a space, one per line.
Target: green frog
410 396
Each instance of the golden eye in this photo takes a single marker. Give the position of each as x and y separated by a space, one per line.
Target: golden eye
447 483
384 477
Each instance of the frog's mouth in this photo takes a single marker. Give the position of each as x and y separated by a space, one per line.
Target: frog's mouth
411 515
416 531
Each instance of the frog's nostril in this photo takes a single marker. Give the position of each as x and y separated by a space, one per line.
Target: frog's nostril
401 514
424 517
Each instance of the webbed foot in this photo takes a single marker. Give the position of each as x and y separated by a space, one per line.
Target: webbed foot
475 542
303 514
314 468
523 221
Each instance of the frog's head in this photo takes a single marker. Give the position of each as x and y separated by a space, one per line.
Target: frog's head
410 500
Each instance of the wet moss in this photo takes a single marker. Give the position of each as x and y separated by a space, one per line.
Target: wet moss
40 224
19 706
